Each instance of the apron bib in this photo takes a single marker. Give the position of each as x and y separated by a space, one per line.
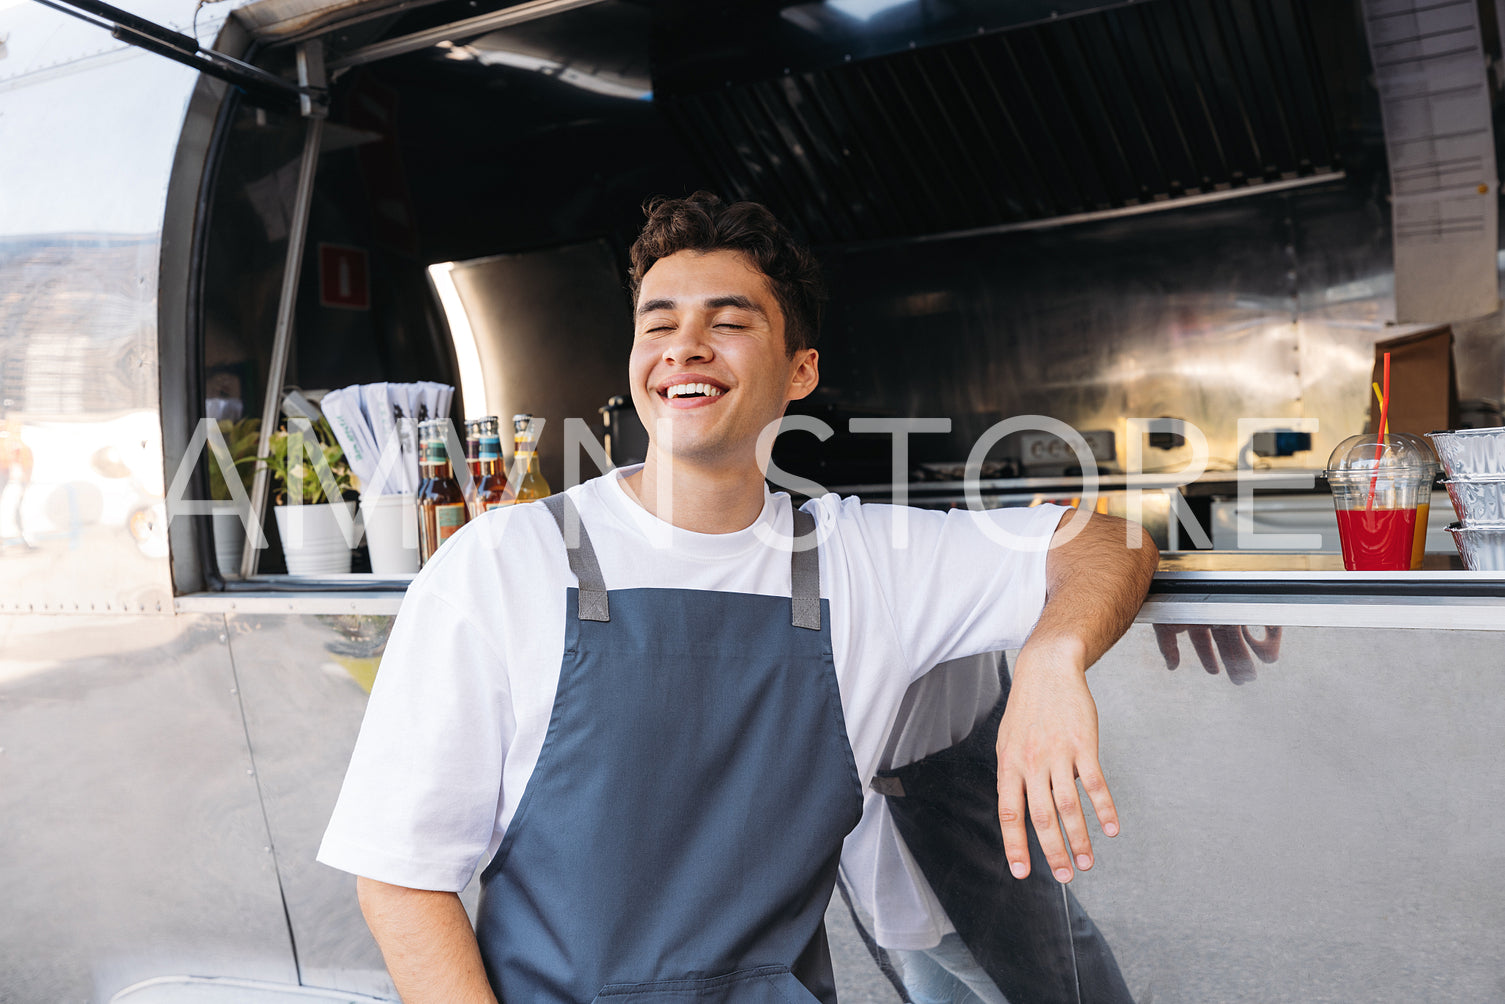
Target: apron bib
679 837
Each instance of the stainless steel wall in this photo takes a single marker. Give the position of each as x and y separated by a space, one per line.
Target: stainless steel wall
553 329
1327 831
303 684
132 839
1319 831
1266 307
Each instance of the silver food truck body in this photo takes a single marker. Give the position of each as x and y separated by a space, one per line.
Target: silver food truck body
173 734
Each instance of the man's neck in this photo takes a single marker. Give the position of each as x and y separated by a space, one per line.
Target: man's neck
696 498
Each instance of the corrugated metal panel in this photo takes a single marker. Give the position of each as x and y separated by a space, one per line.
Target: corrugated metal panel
1119 108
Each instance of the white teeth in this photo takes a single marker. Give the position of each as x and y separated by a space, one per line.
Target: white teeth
691 389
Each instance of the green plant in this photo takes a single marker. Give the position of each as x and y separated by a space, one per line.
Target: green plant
241 439
307 464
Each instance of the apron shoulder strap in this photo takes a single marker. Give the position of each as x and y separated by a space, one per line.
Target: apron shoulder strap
577 544
804 572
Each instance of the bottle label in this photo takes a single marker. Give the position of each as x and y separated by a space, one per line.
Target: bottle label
448 518
497 505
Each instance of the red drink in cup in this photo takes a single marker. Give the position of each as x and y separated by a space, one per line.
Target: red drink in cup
1378 482
1377 539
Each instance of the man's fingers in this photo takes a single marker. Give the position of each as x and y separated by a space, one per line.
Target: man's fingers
1235 653
1165 637
1268 648
1042 815
1201 640
1073 820
1011 809
1096 787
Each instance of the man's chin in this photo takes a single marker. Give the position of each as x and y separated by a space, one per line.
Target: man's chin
702 454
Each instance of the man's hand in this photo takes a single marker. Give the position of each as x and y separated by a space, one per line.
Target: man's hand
1236 643
1046 741
1095 583
427 942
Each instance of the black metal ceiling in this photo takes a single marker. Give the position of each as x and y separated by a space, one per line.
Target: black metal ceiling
1115 108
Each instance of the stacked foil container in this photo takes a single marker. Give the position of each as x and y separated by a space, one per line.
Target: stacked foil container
1475 463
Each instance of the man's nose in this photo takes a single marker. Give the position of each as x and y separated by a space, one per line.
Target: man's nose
690 343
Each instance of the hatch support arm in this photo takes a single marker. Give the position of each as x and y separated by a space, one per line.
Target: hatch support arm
311 75
181 48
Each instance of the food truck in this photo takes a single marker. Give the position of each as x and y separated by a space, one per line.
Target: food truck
1169 233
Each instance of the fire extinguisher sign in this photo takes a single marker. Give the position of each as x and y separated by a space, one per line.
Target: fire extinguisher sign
344 279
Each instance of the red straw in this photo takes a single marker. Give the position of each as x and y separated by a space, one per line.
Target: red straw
1379 448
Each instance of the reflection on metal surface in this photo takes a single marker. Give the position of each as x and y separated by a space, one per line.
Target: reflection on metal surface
212 990
84 159
1267 308
467 355
517 306
1277 820
134 844
458 31
303 683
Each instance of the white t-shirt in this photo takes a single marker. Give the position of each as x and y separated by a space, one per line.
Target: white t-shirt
459 710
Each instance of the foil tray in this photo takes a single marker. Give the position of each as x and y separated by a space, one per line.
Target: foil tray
1478 500
1481 545
1471 453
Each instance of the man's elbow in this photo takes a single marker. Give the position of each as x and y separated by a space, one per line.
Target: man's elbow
378 899
1148 552
1143 554
369 892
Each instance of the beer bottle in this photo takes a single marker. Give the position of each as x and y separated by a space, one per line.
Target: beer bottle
473 447
425 464
441 504
492 489
531 484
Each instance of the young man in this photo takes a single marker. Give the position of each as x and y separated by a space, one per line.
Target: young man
659 737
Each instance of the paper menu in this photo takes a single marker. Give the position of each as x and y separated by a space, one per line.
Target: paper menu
1429 67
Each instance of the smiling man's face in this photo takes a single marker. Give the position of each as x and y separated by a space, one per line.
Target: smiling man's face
709 360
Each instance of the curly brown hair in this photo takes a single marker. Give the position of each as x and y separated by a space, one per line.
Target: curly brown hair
703 223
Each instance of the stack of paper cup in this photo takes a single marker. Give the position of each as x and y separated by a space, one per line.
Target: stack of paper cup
391 533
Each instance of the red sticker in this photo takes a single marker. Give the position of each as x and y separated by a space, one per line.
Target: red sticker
343 277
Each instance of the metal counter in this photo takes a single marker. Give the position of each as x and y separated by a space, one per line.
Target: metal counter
1194 587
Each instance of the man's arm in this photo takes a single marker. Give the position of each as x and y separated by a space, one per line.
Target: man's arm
1095 584
427 942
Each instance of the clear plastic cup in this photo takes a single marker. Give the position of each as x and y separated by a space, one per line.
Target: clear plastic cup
1423 496
1380 486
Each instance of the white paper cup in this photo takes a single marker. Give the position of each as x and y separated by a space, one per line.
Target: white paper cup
391 533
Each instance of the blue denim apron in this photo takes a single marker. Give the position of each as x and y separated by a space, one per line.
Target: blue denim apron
679 838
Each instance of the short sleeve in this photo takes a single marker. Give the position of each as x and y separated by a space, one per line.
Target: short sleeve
419 804
957 583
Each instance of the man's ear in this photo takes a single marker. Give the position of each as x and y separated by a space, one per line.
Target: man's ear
805 376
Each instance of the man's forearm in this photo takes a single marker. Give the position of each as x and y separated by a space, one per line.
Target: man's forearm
1095 584
427 942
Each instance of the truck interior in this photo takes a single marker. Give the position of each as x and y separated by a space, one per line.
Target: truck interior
974 177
